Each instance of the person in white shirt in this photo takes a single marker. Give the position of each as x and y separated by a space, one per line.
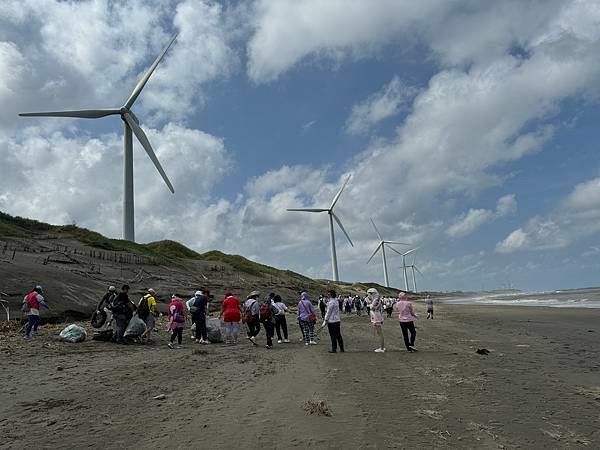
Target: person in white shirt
280 320
332 319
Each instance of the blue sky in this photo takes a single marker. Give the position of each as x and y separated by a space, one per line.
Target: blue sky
469 128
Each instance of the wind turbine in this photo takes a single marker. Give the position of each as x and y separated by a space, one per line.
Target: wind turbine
382 247
332 217
131 124
404 266
414 268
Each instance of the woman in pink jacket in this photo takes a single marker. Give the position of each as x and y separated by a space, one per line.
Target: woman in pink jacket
406 316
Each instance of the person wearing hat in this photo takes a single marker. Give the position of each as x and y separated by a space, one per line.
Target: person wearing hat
147 311
307 319
252 315
406 316
333 322
231 314
376 315
31 305
198 308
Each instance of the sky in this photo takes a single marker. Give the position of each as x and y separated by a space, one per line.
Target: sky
469 129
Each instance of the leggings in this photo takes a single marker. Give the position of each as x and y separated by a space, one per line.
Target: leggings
232 330
335 334
32 324
406 327
270 331
281 325
177 333
308 331
200 322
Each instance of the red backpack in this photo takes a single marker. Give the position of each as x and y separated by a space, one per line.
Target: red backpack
265 312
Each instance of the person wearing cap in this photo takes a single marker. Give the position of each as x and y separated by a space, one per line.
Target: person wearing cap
376 315
176 320
108 298
406 316
31 305
198 308
252 315
147 311
231 314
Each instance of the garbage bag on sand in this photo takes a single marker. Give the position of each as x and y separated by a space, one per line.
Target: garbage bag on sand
73 333
213 331
135 328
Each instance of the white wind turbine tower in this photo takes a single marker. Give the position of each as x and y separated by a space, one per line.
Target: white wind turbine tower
381 247
332 217
404 266
131 124
414 268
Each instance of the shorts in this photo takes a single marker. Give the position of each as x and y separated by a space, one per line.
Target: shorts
150 322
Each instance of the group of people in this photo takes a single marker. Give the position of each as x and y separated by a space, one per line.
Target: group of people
269 312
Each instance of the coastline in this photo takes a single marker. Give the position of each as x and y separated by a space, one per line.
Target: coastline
539 386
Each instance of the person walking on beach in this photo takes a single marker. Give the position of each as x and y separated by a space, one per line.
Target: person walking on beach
231 313
198 310
252 315
389 307
333 321
147 311
307 319
267 313
406 316
176 320
122 310
31 306
348 306
280 320
429 305
358 305
376 314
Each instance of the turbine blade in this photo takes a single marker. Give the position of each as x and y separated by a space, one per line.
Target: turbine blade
339 222
396 243
337 196
374 253
393 249
138 88
420 273
313 210
376 230
81 114
141 136
410 251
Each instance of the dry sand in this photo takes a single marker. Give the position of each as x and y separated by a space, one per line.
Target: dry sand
538 387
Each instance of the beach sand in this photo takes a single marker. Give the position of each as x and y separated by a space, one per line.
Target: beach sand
538 387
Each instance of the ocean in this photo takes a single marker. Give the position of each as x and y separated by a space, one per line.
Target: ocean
569 298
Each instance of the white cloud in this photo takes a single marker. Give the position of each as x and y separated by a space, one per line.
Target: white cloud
514 241
384 103
474 218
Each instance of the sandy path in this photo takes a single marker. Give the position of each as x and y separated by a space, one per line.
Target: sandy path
540 386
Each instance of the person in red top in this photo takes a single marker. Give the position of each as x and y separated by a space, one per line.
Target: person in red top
176 320
231 314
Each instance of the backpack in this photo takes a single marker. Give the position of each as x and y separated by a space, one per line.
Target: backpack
265 312
143 310
178 317
248 316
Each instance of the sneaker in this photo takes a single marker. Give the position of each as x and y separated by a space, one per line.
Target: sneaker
170 345
198 341
306 343
268 347
412 349
332 351
28 338
287 341
313 343
380 350
279 341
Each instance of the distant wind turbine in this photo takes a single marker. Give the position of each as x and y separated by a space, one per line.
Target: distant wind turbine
332 217
381 247
131 123
414 268
404 266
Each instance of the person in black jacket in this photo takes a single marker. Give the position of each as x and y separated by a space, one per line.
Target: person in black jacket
122 309
198 308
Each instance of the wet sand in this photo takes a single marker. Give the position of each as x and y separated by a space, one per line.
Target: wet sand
538 387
